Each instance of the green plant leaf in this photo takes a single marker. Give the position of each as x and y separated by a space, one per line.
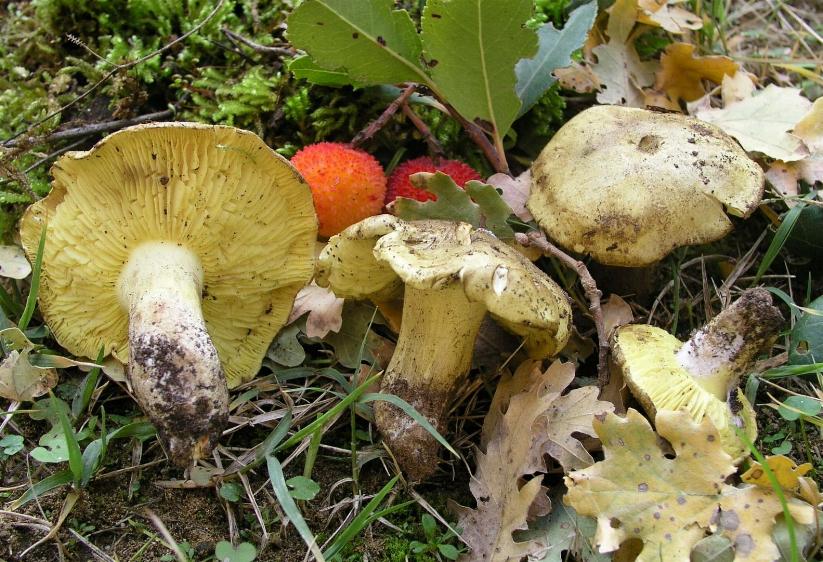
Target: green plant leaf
805 239
368 40
281 491
806 337
230 491
796 406
357 318
45 485
244 552
472 47
302 488
304 67
286 349
11 444
534 75
453 203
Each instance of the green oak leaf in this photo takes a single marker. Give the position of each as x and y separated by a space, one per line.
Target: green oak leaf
366 39
488 210
471 47
534 75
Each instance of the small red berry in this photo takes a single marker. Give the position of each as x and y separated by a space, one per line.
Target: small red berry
400 186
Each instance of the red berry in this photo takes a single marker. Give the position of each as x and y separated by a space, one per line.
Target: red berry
400 186
347 184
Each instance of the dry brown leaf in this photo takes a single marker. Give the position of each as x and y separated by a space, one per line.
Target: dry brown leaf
514 191
622 74
622 17
616 313
681 73
662 13
13 262
324 308
783 176
736 88
528 417
21 381
670 503
577 77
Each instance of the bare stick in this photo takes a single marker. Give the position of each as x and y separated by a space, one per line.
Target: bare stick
434 144
282 51
94 128
593 294
375 126
118 68
478 136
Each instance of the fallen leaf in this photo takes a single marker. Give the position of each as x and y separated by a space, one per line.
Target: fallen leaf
785 470
578 78
528 418
669 503
673 19
325 310
681 73
13 262
762 122
622 74
616 313
286 350
736 88
622 17
810 127
514 191
783 176
21 381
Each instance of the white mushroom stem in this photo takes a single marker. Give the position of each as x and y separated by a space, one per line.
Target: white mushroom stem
720 352
431 360
174 368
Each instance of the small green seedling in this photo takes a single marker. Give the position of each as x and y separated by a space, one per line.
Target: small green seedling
437 544
243 552
10 445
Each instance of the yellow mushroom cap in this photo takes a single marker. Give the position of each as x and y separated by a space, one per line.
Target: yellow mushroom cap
627 186
380 252
219 192
646 356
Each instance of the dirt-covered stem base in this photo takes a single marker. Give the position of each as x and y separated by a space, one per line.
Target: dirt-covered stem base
173 369
431 360
718 354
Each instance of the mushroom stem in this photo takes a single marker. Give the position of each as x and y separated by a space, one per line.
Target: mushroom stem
174 368
432 357
720 352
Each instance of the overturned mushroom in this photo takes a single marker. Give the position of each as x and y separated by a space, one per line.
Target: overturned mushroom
177 248
453 275
701 375
627 186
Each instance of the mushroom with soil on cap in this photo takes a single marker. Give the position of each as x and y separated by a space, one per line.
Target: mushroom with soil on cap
627 186
177 248
701 375
453 274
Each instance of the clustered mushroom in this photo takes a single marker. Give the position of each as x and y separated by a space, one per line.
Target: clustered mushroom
178 248
451 274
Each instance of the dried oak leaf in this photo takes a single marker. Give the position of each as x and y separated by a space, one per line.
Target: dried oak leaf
661 13
324 307
681 73
528 418
786 471
672 503
622 74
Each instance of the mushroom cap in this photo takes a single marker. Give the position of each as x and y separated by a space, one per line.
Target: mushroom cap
646 357
218 191
628 186
380 252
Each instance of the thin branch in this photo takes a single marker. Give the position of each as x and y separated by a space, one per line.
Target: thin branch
94 128
478 136
237 38
118 68
433 143
374 127
593 294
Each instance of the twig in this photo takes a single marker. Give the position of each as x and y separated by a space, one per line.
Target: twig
434 144
593 294
478 136
54 154
118 68
375 126
95 128
282 51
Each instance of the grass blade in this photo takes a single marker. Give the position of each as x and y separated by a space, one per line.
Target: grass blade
780 237
31 301
47 484
281 490
73 446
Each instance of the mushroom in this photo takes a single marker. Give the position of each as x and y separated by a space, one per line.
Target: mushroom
701 375
627 186
177 248
453 275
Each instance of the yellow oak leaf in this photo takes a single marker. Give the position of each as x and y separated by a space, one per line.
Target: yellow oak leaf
577 77
785 470
638 492
622 17
681 73
529 417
